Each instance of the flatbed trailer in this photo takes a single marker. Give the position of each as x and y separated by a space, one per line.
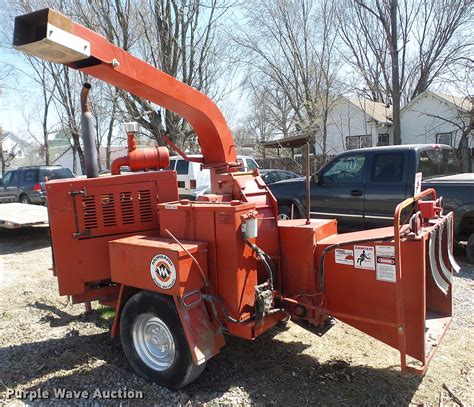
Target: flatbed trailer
17 215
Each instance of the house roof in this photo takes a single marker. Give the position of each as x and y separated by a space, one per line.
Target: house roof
463 103
15 139
378 111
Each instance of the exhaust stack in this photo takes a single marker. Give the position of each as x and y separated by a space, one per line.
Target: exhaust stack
88 134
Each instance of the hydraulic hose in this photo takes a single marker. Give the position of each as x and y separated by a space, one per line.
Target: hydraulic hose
265 259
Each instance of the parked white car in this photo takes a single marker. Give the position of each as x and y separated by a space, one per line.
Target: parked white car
194 181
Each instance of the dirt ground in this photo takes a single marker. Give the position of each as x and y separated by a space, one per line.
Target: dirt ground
47 343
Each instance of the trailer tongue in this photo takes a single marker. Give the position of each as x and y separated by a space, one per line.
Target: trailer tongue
180 274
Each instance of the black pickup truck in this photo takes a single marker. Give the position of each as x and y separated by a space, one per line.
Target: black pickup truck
361 188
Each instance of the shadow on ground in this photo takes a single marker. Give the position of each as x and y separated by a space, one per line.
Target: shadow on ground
56 317
268 369
23 239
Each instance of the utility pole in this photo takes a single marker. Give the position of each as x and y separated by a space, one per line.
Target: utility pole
397 139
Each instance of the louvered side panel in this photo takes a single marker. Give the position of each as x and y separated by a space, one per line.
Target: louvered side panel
118 209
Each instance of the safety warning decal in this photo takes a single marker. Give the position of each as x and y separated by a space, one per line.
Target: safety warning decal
386 263
163 271
344 256
364 257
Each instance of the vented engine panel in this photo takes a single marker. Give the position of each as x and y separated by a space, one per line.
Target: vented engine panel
115 210
86 213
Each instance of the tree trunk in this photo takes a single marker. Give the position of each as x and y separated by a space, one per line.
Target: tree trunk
46 138
1 152
74 160
395 73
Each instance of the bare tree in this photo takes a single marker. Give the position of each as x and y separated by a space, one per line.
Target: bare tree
431 36
41 76
384 13
289 47
180 37
271 113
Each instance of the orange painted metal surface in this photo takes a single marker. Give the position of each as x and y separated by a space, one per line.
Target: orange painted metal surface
231 265
151 158
135 262
86 213
205 338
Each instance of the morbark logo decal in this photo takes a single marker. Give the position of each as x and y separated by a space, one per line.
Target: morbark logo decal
163 271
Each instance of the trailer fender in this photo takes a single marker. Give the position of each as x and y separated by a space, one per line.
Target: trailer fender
204 336
125 293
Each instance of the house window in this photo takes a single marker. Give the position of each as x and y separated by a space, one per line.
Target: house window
353 142
383 140
444 138
365 141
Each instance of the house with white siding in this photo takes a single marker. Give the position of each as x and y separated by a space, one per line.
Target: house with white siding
435 118
356 123
17 152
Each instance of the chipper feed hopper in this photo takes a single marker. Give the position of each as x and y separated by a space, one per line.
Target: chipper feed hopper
181 274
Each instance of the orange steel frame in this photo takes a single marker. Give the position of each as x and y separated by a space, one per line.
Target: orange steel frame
206 241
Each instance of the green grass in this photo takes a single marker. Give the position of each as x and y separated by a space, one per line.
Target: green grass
106 315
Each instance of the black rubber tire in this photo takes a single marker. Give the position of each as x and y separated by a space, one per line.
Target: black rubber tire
470 249
183 370
285 210
24 199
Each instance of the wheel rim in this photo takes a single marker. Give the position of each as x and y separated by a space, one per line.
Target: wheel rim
283 216
24 200
153 342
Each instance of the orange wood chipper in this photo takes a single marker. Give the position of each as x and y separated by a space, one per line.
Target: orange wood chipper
180 274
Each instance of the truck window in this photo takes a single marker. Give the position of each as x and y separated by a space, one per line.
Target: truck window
55 173
15 180
172 164
182 167
436 163
349 168
29 177
251 164
387 168
6 179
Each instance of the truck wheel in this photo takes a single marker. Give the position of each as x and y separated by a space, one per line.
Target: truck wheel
154 342
24 199
284 212
470 249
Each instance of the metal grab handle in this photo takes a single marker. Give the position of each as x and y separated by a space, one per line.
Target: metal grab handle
402 205
398 274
